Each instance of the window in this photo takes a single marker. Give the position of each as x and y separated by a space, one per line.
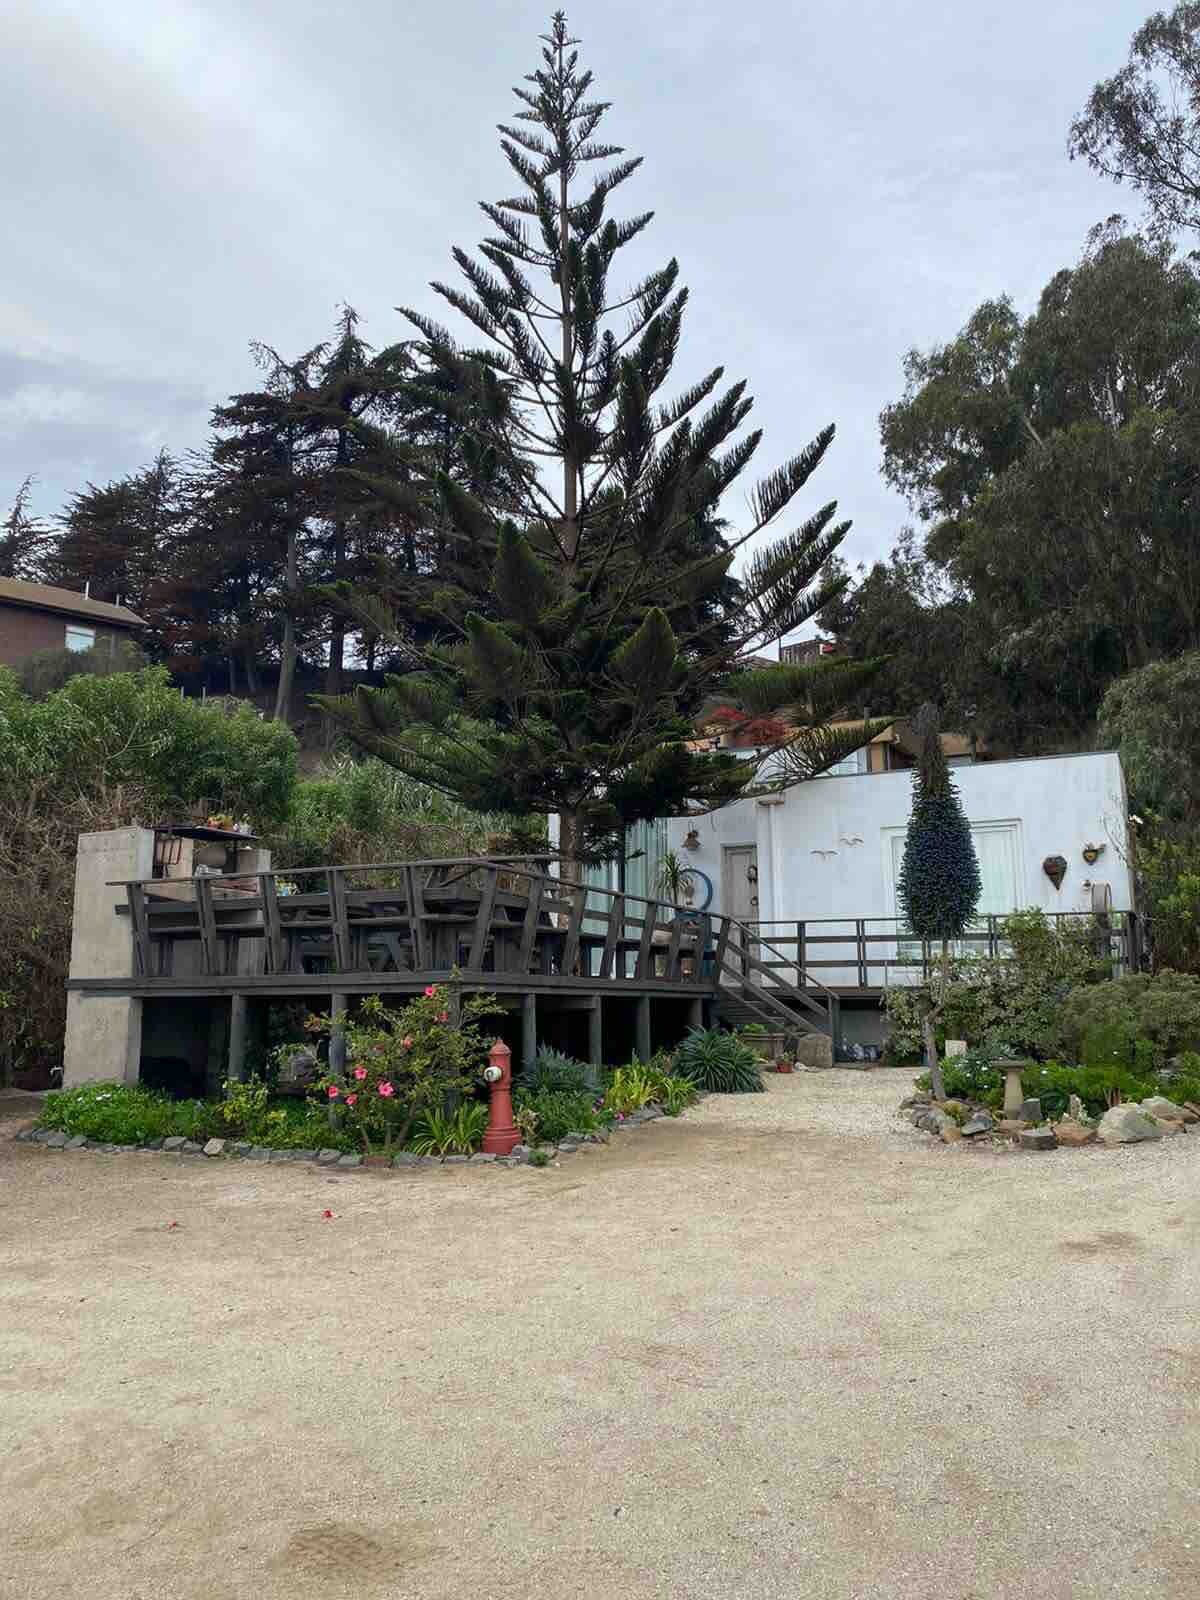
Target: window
849 766
997 849
79 637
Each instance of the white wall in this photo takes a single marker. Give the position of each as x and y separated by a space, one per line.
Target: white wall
824 848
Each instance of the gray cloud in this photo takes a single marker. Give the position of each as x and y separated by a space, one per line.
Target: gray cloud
838 183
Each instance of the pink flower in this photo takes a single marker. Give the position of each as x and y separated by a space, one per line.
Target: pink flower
386 1090
333 1091
351 1099
407 1042
360 1073
431 991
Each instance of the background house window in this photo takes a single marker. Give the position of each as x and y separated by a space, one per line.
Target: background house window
79 637
849 766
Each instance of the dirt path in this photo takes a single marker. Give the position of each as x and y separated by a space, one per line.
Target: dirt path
749 1354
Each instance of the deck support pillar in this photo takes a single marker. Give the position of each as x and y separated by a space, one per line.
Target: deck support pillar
337 1043
529 1042
696 1011
642 1024
596 1032
237 1038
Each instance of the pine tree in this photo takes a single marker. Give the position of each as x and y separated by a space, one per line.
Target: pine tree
23 539
939 885
582 603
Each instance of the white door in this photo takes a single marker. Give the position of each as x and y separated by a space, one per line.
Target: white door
739 890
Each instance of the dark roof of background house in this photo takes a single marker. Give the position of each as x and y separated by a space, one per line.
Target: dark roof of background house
43 597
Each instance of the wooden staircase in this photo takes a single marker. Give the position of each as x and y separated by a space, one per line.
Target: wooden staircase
752 990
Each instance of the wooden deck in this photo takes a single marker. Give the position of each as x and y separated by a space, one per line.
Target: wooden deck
507 926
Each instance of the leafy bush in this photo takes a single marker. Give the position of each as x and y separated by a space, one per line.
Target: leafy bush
629 1089
358 811
1170 878
719 1062
1163 1010
1014 1000
125 1113
401 1065
450 1133
552 1071
558 1112
974 1076
675 1095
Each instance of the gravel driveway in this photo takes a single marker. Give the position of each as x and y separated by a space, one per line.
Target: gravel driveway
784 1347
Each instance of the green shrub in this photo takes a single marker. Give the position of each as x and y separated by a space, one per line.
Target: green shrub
974 1076
539 1158
1163 1010
557 1073
450 1133
124 1113
558 1112
720 1062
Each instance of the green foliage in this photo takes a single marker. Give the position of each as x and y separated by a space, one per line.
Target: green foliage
41 674
553 1071
939 885
973 1076
629 1089
558 1112
719 1062
1163 1010
450 1133
1011 1001
122 1113
539 1158
401 1065
132 729
1151 718
364 810
1169 870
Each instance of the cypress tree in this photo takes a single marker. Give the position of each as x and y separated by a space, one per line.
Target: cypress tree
583 602
939 885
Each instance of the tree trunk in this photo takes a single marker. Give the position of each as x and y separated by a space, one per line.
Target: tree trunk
932 1065
570 839
251 666
287 649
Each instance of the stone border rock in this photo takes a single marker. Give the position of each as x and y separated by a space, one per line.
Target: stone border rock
339 1160
953 1121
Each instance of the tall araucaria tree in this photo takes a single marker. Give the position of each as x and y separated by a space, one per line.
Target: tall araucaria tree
584 614
939 885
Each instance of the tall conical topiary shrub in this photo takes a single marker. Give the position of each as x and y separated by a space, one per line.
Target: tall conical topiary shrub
939 884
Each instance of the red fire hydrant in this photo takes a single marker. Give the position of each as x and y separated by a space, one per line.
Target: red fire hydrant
502 1134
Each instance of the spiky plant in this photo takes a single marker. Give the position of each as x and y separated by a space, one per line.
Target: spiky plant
720 1062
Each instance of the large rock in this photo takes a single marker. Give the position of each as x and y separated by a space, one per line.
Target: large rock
1157 1105
950 1132
934 1120
1127 1124
1070 1132
981 1122
215 1147
1076 1111
1037 1139
814 1051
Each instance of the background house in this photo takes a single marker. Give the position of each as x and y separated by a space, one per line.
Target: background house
36 617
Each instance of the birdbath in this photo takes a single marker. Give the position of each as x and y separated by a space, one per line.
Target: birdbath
1014 1091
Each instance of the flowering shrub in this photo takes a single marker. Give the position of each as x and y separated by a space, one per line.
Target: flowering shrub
401 1065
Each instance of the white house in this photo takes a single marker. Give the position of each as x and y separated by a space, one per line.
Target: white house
814 869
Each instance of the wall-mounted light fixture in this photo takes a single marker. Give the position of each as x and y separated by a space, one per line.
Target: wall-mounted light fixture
692 840
751 874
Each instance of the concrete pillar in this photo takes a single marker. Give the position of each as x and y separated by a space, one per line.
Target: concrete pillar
237 1037
642 1026
596 1033
529 1043
104 1032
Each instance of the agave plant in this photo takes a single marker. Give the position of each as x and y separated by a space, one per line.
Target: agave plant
553 1072
720 1062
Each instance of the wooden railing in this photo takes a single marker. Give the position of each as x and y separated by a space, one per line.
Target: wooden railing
875 952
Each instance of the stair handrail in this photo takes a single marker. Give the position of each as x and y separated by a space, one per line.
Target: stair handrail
809 980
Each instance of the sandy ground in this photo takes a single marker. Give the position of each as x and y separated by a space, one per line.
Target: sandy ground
783 1347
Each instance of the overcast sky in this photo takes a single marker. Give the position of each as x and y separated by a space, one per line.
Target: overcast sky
838 182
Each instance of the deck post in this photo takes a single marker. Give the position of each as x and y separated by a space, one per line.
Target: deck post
696 1011
643 1027
337 1043
596 1032
528 1031
237 1038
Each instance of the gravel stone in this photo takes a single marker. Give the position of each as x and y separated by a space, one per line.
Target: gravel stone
259 1152
328 1158
77 1143
241 1148
455 1161
483 1156
651 1113
304 1155
55 1141
175 1142
406 1159
190 1148
349 1161
981 1122
215 1147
